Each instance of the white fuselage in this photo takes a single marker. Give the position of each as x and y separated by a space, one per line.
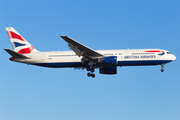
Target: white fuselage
128 57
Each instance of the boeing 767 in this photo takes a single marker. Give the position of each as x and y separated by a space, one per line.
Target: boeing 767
84 57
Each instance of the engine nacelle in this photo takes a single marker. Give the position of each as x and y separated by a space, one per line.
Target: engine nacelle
108 70
108 60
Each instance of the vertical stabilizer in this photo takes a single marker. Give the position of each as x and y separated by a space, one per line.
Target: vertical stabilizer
20 45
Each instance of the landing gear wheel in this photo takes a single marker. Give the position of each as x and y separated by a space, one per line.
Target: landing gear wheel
162 68
88 74
93 75
91 69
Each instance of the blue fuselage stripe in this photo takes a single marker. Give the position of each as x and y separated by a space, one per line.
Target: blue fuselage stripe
120 63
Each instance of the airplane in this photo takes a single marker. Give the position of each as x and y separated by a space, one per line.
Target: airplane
84 57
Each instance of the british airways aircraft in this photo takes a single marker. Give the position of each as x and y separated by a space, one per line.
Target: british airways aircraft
84 57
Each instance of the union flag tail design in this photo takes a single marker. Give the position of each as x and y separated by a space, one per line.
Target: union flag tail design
20 45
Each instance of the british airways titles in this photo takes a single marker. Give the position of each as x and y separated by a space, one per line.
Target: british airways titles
139 56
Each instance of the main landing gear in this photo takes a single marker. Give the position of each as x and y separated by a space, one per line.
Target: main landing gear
162 68
90 74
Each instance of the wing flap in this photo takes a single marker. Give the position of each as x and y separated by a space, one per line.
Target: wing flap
75 50
15 54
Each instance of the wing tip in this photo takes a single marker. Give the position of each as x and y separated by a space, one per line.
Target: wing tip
63 36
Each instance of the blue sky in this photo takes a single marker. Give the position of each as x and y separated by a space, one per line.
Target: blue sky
138 93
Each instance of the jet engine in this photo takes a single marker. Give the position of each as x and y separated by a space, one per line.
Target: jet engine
108 70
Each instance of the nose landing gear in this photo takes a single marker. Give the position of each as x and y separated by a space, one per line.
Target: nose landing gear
162 68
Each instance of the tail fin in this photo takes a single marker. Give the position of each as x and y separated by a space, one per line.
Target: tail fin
20 45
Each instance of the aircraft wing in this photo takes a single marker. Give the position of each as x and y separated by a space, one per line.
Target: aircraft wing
80 49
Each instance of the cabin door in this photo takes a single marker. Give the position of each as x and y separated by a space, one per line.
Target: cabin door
43 56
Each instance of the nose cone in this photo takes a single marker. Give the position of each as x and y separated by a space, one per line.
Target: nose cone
173 57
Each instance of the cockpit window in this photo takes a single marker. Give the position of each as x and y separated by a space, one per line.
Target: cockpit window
168 53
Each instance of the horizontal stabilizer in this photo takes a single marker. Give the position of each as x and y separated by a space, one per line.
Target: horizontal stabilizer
15 54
